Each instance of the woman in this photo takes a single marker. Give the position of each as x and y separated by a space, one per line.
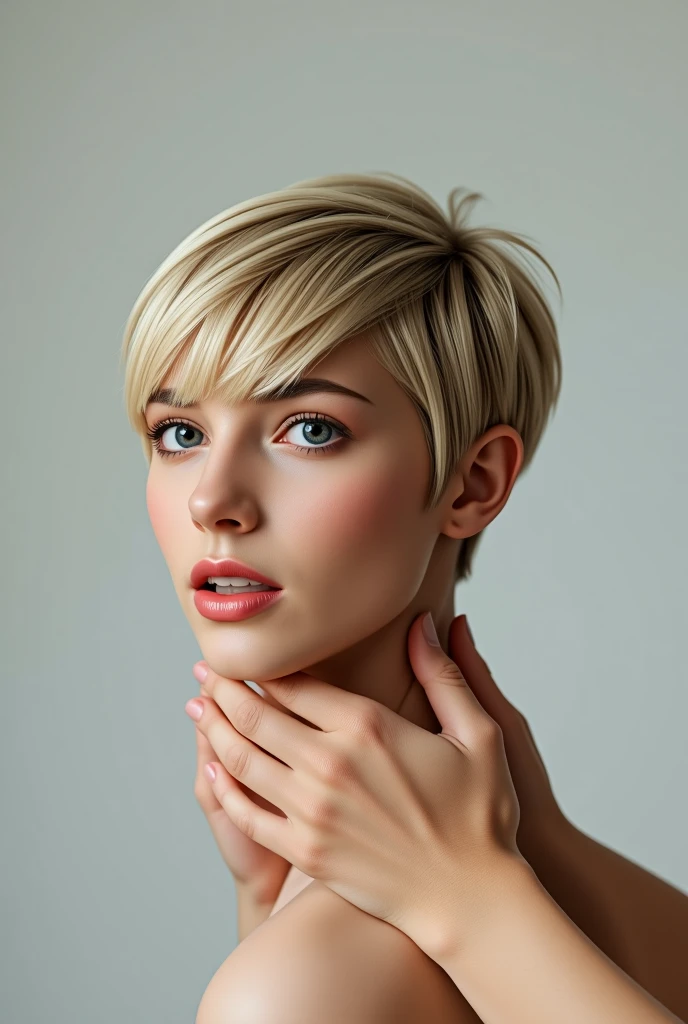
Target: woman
432 358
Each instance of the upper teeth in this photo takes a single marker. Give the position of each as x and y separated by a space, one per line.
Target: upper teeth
233 581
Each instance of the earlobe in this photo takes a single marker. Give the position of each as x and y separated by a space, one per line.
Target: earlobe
483 481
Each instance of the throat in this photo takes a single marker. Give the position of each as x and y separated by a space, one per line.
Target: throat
417 709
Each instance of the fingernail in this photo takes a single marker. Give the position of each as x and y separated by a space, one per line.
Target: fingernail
429 630
468 628
210 772
200 670
194 709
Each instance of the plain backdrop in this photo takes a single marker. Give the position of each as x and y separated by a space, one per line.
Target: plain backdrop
124 127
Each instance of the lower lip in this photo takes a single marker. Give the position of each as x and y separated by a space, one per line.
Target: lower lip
233 607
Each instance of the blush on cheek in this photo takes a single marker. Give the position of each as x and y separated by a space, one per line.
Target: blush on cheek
369 511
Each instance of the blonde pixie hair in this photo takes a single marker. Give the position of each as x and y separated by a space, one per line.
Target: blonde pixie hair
257 295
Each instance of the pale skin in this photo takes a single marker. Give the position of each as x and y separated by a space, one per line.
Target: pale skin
438 859
317 525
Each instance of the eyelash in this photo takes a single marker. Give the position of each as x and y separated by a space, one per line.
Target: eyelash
158 429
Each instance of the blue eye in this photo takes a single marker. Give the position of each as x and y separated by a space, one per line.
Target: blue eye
181 434
318 429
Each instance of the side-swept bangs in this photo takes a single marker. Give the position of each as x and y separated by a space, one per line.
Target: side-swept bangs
258 295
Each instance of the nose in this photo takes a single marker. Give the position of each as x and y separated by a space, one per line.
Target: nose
225 495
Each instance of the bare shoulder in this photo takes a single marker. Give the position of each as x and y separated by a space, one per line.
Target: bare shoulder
320 958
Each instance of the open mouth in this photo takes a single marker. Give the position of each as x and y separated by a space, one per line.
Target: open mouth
249 589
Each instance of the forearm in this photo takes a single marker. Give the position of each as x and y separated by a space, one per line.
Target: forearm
525 962
250 911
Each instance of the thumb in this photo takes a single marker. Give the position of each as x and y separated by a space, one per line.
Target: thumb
477 672
458 710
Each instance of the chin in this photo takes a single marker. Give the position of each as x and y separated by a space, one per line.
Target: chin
249 665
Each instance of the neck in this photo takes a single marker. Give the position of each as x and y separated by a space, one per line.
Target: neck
378 666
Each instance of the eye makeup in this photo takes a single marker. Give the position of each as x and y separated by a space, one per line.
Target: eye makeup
157 431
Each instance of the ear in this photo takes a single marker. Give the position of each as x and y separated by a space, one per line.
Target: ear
480 488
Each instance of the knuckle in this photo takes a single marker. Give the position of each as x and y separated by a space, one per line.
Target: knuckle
286 690
451 673
510 812
368 726
315 858
248 716
323 812
489 732
236 760
333 767
244 822
506 816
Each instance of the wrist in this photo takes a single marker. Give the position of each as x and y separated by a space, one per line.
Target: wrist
263 886
462 920
257 893
252 908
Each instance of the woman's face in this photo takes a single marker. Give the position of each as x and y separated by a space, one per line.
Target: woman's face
330 508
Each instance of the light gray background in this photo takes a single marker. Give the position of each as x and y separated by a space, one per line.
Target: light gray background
124 127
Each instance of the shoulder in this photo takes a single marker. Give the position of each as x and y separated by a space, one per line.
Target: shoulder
320 958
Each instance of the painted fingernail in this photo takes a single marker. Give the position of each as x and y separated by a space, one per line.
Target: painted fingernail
200 670
210 772
429 630
194 709
468 628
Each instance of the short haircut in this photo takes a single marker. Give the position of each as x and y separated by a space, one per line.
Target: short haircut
257 295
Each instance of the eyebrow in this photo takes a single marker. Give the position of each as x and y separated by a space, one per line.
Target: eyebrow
304 386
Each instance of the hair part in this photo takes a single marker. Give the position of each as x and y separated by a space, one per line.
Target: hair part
251 300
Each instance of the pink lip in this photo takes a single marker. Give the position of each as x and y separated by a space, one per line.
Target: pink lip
226 567
232 607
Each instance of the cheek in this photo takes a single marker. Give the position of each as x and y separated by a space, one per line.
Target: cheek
161 507
357 548
369 516
364 513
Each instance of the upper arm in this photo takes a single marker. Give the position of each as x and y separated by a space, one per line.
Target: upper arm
320 958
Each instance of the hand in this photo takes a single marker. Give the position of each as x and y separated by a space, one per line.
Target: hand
386 814
543 828
260 870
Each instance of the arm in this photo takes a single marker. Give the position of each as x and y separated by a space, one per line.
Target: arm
637 918
250 910
432 875
524 961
